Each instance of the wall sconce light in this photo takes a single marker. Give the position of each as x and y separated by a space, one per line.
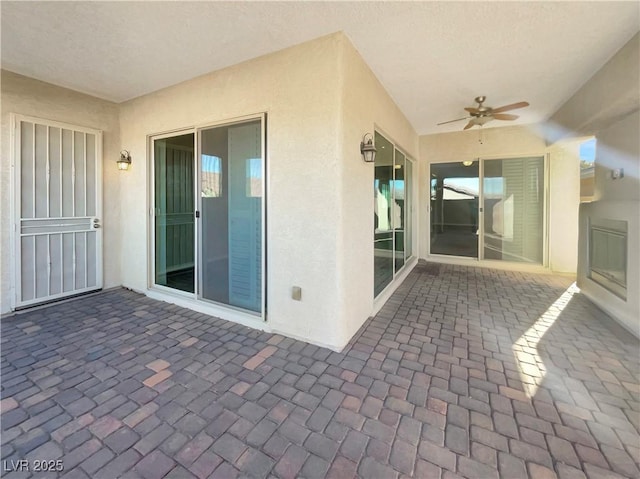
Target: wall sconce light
467 162
367 149
125 160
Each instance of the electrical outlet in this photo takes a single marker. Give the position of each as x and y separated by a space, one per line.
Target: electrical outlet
296 293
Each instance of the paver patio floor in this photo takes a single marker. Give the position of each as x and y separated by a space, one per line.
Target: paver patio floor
465 372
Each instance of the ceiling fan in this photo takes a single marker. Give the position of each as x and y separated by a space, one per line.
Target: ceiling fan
483 114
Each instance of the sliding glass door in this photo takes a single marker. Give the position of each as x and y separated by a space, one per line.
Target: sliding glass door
489 209
231 222
174 212
455 191
392 212
514 209
383 214
209 214
397 214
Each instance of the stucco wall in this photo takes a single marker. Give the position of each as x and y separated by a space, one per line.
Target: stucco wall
31 97
611 94
298 88
608 106
509 142
617 147
320 98
564 202
366 106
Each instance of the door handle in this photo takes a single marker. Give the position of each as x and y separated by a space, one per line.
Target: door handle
96 225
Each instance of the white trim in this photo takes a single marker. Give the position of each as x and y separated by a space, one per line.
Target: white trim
480 229
263 253
16 277
546 208
198 230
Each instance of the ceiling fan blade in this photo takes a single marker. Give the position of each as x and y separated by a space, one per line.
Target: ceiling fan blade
473 111
469 125
451 121
513 106
505 116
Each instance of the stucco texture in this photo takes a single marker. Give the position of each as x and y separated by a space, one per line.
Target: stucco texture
608 107
26 96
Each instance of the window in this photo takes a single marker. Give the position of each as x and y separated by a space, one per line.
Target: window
587 169
392 212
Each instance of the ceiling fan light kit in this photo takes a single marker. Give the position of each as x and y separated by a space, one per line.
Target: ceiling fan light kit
480 115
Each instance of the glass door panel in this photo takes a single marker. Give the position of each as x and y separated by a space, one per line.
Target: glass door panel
455 190
407 209
231 169
397 208
514 209
174 212
383 200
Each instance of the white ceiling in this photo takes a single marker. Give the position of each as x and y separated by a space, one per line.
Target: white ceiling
432 57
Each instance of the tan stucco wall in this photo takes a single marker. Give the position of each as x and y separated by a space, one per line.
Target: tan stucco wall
564 202
320 98
510 142
30 97
617 147
366 106
608 106
298 88
610 95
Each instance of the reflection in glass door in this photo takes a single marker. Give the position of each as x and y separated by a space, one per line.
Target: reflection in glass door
174 212
510 223
455 190
231 221
408 247
392 212
398 205
513 202
383 198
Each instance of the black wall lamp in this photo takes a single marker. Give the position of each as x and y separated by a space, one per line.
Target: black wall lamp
367 149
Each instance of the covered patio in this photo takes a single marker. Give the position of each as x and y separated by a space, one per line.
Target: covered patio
465 372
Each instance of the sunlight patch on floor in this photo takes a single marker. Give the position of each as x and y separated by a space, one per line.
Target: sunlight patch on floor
525 349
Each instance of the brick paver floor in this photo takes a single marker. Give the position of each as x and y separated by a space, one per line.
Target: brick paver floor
465 372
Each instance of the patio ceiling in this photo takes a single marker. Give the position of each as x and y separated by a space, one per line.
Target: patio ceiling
432 57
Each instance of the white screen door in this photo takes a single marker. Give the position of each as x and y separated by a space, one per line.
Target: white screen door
58 235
